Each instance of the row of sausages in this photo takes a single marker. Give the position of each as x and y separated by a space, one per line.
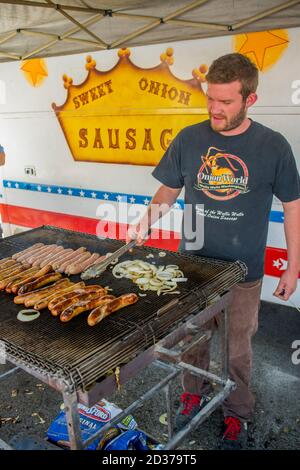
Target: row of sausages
42 288
62 260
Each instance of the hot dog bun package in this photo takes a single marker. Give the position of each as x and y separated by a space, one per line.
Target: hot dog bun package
91 420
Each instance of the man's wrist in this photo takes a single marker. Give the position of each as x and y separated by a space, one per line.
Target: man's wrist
293 269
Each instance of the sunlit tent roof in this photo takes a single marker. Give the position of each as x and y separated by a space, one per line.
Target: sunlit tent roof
47 28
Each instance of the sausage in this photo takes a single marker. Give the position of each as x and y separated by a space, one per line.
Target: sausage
80 259
12 277
64 256
27 250
4 260
35 275
44 259
8 264
20 277
80 289
57 256
77 268
26 255
58 294
72 259
41 254
30 300
101 312
64 304
83 306
10 271
43 292
41 281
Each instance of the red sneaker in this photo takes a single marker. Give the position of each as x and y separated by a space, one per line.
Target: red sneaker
235 434
190 405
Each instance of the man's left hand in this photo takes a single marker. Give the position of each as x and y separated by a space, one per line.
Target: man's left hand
287 285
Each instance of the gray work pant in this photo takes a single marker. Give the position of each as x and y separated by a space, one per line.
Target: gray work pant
243 323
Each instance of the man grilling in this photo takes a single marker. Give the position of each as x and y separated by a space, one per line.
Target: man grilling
232 166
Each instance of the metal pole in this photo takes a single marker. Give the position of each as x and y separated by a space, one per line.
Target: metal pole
73 420
9 372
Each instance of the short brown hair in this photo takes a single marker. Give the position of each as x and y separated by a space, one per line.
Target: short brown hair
231 67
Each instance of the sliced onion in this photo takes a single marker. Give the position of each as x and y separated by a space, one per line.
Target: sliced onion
28 315
160 279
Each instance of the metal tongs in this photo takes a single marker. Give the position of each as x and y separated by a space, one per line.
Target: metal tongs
99 268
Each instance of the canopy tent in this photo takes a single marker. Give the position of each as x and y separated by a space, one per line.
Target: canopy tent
44 28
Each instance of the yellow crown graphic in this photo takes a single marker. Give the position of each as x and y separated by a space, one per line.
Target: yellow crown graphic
129 114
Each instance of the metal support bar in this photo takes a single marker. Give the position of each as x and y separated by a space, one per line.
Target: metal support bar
73 420
201 416
202 373
4 445
9 372
134 405
169 403
264 14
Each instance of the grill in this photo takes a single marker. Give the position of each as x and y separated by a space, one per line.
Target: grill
78 354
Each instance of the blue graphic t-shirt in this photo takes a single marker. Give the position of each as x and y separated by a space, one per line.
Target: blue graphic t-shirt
229 182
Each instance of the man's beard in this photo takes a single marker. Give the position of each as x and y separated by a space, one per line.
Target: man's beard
232 123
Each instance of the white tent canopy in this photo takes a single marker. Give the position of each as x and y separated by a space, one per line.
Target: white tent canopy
43 28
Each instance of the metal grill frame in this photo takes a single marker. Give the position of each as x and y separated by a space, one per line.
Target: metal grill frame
137 336
200 310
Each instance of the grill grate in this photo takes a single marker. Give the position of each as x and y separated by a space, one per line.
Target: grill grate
80 354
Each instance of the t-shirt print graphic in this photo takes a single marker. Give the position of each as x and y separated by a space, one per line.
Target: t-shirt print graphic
222 176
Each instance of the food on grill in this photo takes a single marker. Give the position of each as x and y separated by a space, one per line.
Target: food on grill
85 305
83 257
77 289
64 304
60 293
19 277
74 257
78 267
100 312
8 264
28 315
31 300
31 258
41 281
27 250
161 279
38 294
16 286
17 274
63 260
66 259
10 271
43 260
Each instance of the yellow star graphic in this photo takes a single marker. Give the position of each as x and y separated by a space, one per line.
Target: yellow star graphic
265 47
35 71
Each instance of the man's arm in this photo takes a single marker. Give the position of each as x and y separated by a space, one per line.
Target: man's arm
288 281
160 204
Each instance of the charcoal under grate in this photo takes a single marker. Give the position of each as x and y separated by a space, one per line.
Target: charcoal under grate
79 354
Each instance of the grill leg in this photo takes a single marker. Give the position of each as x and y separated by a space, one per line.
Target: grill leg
169 402
224 338
73 421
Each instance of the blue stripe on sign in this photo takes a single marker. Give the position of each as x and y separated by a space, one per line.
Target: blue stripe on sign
275 216
84 193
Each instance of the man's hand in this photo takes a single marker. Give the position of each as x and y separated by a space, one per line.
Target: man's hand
287 285
137 232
